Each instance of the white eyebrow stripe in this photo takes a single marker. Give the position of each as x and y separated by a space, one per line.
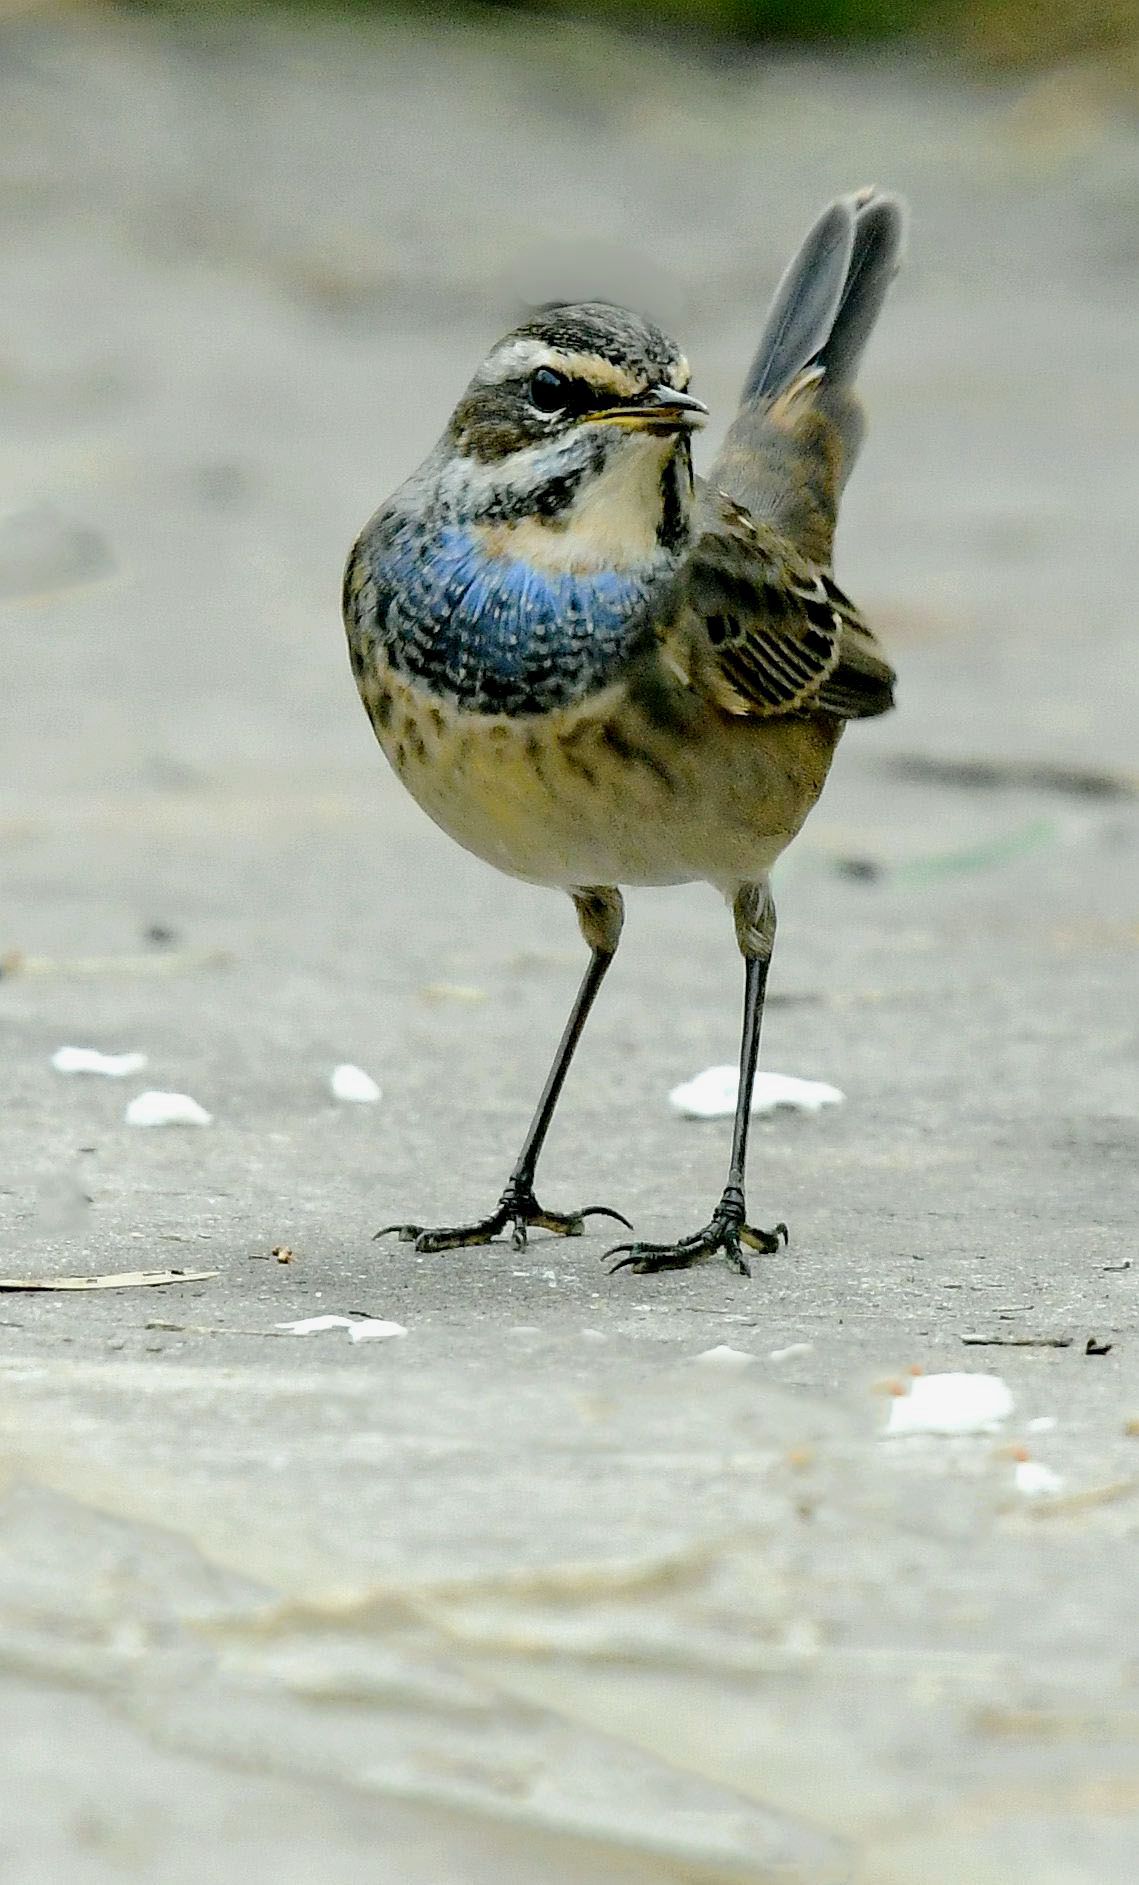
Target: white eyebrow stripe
523 356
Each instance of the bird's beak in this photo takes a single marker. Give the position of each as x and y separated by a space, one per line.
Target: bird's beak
661 409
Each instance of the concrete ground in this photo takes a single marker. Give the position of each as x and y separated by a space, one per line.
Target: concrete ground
534 1592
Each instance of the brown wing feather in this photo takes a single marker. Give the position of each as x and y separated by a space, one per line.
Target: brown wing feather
766 631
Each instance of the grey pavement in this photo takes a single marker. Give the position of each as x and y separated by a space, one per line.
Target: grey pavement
534 1592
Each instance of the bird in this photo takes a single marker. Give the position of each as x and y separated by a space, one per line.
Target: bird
596 670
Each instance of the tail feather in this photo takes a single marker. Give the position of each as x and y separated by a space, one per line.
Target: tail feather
876 248
796 436
805 306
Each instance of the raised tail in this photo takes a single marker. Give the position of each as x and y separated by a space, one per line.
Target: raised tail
791 447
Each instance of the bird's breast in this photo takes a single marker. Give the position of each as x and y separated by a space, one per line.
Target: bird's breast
491 633
532 716
606 792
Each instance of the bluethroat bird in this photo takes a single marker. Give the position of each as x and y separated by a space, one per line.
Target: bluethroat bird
593 669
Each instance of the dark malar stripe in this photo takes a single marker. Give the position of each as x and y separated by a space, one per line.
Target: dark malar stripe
508 503
673 526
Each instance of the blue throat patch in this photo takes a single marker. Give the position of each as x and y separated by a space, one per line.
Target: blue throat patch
492 634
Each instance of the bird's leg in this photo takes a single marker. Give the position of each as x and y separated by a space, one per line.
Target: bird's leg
728 1229
600 913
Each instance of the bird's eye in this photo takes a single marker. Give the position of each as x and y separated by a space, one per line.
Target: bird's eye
549 391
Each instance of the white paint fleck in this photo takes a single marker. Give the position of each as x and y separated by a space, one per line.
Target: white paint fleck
1043 1423
372 1329
90 1060
951 1404
712 1094
166 1109
724 1357
360 1328
352 1083
1032 1477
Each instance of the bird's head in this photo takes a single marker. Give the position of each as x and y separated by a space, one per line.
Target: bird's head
570 447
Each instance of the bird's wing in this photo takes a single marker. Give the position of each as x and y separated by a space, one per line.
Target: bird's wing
766 631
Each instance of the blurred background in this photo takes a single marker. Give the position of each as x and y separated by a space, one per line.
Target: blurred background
249 257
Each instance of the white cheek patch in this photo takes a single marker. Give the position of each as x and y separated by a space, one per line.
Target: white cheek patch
618 511
467 484
610 525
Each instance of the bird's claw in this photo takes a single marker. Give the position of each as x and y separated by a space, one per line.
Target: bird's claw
722 1237
518 1209
604 1210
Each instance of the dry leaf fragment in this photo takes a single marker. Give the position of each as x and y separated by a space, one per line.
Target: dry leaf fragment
159 962
118 1279
1017 1341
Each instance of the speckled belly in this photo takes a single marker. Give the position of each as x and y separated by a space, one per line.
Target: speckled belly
606 792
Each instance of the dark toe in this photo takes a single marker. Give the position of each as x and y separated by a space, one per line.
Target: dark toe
767 1242
604 1210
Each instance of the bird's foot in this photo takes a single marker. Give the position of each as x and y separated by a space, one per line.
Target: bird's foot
724 1236
517 1207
